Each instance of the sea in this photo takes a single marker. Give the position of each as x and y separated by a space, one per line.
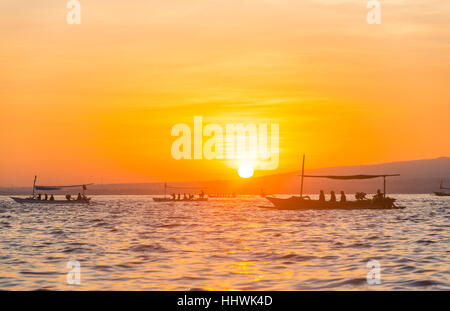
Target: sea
133 243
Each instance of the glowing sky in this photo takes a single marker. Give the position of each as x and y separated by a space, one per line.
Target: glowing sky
97 101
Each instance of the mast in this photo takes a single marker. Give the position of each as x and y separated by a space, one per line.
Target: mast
165 189
384 186
303 175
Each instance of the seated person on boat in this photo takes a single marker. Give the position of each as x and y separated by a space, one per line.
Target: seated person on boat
343 197
378 197
333 197
321 196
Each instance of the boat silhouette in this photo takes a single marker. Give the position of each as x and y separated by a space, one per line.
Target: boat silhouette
380 201
441 193
174 198
33 199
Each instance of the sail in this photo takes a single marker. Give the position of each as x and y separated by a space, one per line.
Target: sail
346 177
52 188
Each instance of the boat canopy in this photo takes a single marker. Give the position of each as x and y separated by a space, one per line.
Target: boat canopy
51 188
346 177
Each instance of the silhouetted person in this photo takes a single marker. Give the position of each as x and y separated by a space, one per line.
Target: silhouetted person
379 196
39 196
174 196
68 197
321 196
52 198
46 196
179 197
333 197
79 198
202 194
343 197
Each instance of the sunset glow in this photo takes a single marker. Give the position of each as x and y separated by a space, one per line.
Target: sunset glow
188 147
97 101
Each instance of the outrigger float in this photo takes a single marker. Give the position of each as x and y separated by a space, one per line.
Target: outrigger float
33 199
306 203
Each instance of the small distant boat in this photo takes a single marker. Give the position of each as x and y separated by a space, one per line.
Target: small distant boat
222 195
304 202
441 193
33 199
181 200
174 198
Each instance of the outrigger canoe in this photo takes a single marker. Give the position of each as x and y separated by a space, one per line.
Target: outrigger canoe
36 201
181 200
304 202
201 197
297 203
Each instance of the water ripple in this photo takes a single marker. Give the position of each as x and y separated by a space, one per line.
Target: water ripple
130 242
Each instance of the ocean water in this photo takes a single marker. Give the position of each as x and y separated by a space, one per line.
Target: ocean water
132 243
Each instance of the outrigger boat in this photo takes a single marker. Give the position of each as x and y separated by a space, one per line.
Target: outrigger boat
305 202
441 193
201 197
33 199
180 200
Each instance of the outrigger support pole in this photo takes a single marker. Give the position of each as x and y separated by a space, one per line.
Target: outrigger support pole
303 175
384 183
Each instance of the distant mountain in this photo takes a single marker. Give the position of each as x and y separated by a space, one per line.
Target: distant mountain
419 176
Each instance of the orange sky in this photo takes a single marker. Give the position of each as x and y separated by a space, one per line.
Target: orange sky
97 101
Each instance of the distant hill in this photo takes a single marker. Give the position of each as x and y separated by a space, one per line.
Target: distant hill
419 176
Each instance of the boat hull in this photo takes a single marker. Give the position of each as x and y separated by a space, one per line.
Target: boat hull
172 200
442 194
34 201
296 203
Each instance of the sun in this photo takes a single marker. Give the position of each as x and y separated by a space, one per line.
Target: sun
245 170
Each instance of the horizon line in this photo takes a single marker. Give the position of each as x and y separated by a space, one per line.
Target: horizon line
239 179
